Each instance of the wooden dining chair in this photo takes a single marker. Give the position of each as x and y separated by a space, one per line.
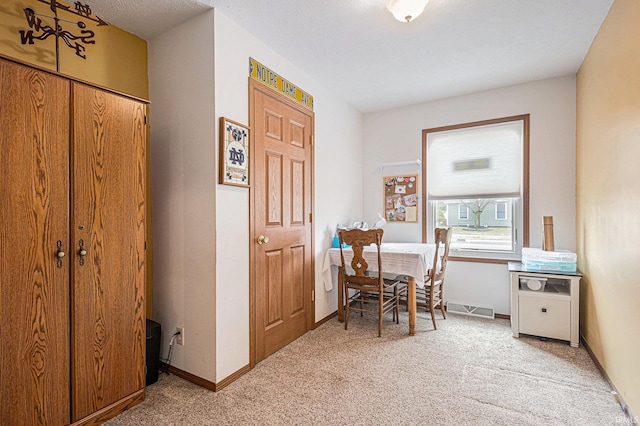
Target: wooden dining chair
431 296
369 293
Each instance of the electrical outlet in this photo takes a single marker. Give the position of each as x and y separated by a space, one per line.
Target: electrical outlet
180 337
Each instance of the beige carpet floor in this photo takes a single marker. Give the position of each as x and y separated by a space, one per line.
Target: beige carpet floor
471 371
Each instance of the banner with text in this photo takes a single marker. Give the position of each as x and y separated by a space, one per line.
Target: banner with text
264 75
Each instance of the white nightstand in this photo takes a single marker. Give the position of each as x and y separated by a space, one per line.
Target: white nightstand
552 311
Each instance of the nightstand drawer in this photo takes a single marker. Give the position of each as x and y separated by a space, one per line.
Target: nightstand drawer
546 317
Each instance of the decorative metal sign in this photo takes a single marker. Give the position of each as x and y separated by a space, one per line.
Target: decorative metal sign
40 30
264 75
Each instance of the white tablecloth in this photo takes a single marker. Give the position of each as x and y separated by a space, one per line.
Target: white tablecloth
397 258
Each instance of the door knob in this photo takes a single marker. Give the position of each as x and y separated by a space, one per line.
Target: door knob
263 240
59 254
82 252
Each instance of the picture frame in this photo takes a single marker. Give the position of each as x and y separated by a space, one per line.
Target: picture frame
234 153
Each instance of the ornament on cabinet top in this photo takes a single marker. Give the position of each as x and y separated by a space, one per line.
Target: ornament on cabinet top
41 30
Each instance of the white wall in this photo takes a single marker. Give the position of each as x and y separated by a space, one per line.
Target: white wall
338 184
183 176
232 217
198 73
396 135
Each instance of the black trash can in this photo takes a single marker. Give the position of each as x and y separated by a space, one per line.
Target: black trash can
154 331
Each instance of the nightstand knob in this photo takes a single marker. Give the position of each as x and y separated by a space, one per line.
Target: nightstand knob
544 309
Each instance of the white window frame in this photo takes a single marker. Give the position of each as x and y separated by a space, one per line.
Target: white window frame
466 212
513 254
520 209
506 213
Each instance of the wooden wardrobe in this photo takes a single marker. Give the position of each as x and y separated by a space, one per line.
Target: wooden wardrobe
72 249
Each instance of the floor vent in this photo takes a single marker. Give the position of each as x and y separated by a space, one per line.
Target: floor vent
475 311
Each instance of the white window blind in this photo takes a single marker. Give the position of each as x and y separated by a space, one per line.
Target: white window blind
476 162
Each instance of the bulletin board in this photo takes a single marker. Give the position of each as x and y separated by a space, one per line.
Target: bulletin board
401 198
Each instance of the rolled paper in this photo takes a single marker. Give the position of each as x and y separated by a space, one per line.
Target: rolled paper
547 243
534 285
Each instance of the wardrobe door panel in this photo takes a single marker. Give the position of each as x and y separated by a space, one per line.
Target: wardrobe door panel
108 310
34 209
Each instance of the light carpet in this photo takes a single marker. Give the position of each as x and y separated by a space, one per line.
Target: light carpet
470 371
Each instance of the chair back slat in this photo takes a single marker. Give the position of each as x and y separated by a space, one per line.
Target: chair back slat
358 239
442 240
361 289
431 296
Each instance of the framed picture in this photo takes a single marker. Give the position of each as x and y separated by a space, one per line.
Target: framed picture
234 153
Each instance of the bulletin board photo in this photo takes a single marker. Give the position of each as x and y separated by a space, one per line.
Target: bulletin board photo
401 198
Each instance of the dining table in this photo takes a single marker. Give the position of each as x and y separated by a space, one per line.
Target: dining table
411 260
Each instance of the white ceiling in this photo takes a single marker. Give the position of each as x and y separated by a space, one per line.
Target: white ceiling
375 62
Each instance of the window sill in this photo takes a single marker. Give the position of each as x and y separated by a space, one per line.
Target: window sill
480 259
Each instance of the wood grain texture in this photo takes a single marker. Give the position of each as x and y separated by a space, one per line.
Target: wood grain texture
281 207
34 301
296 134
296 295
296 198
108 311
274 172
112 410
35 306
371 293
273 287
273 125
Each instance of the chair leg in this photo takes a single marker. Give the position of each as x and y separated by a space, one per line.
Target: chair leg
433 315
396 309
393 311
380 310
346 312
407 297
444 314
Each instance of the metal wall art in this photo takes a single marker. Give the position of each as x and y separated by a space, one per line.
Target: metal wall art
234 153
41 30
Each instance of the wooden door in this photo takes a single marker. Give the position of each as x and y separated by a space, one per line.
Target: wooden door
281 185
34 209
108 310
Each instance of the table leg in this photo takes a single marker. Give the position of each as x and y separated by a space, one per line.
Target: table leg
340 296
411 301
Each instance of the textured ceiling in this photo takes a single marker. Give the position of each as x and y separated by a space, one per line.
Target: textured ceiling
147 18
375 62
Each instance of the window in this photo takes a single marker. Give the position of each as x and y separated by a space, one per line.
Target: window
477 182
501 210
463 212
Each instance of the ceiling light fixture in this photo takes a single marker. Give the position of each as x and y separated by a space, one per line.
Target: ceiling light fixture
406 10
